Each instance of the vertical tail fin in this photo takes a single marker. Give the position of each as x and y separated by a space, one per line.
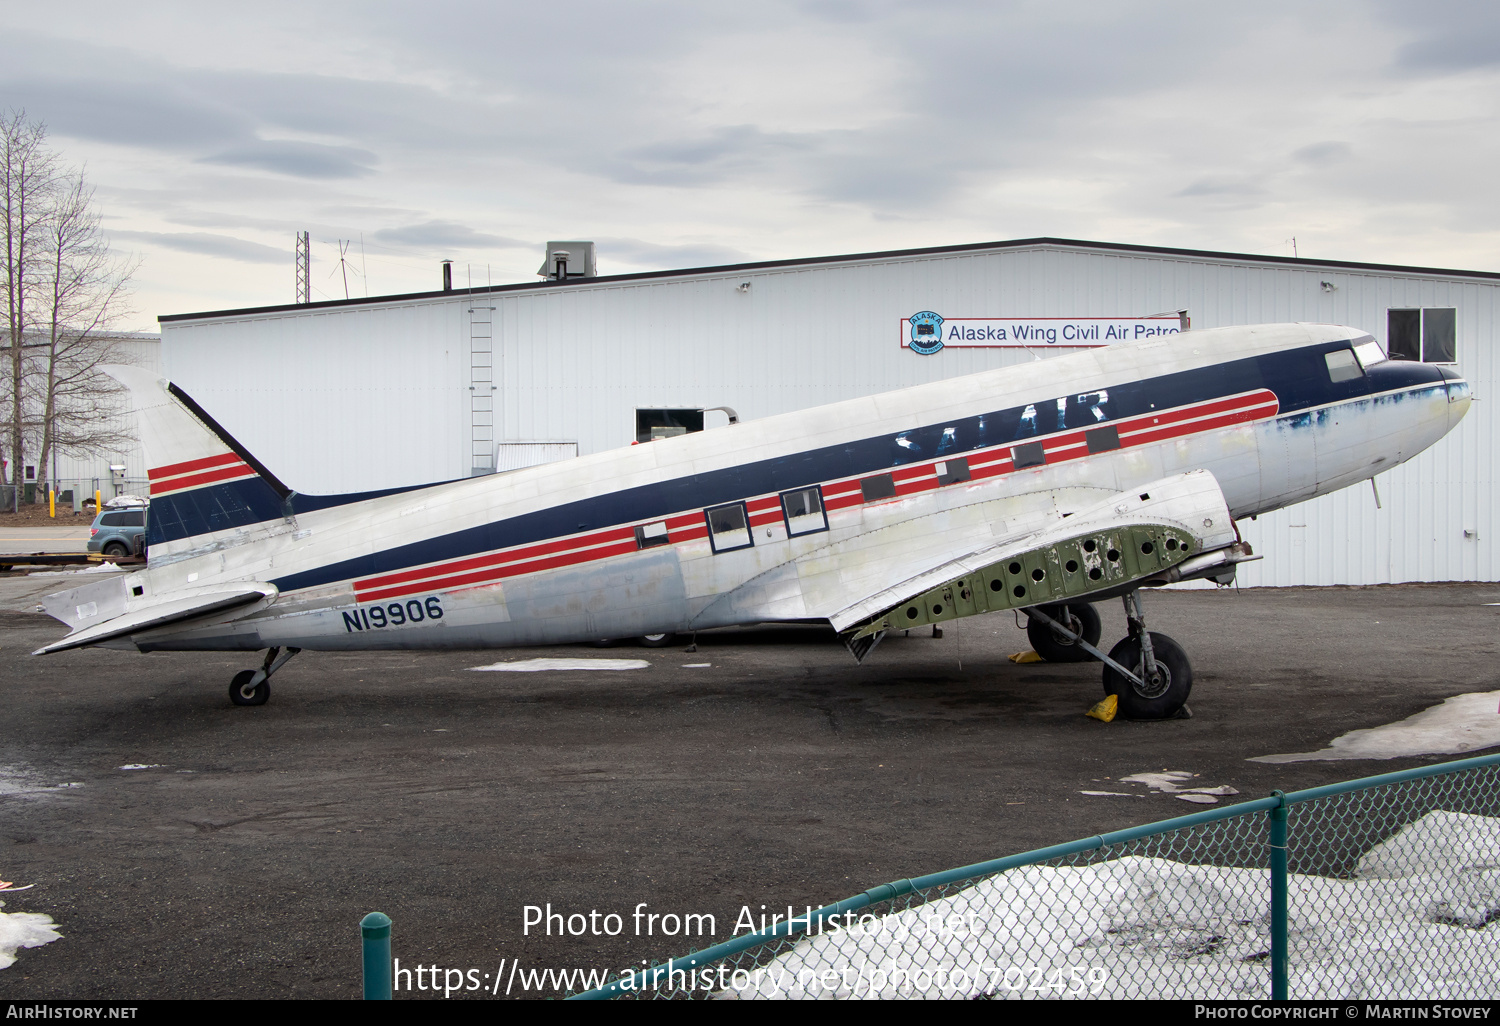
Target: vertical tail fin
202 479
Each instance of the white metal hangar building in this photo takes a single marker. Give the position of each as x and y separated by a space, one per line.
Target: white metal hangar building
395 390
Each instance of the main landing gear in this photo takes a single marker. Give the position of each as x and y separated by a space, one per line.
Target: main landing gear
1147 672
253 687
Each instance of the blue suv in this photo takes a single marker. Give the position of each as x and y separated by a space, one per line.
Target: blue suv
115 532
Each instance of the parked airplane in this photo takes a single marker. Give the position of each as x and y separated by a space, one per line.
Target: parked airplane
1041 488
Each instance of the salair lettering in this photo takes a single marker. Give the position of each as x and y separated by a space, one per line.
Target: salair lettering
392 614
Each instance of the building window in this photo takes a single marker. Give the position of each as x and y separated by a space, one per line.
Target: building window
952 471
1428 335
729 527
881 486
664 423
804 512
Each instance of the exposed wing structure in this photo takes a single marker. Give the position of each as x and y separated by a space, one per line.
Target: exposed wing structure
1173 529
102 612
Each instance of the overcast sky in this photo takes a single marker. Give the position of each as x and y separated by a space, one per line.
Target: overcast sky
682 134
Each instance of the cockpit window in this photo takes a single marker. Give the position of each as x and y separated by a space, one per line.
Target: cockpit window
1342 366
1368 351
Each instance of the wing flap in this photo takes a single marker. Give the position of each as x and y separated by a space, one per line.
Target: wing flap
1129 536
240 600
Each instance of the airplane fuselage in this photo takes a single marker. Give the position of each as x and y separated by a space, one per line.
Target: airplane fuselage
789 517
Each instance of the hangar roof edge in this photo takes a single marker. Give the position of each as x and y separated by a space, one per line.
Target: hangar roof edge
891 254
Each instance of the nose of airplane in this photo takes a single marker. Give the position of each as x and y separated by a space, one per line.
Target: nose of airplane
1458 394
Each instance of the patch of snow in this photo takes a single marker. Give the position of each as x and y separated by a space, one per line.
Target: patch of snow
533 665
1112 794
127 502
1413 924
99 568
696 666
23 930
1459 726
1167 780
140 765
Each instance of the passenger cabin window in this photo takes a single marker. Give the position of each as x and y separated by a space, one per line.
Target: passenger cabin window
804 511
1102 439
1428 335
728 527
1342 366
650 535
952 471
881 486
1029 455
651 425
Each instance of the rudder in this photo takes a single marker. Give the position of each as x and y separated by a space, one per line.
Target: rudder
202 479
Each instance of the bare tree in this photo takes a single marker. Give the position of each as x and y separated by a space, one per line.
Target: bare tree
85 289
28 174
63 293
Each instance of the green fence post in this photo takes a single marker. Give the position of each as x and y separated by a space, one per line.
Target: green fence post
376 930
1278 897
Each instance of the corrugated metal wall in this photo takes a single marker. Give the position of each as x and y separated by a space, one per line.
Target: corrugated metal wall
91 471
369 396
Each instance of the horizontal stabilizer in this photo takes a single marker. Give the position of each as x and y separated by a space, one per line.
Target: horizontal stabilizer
242 599
1131 537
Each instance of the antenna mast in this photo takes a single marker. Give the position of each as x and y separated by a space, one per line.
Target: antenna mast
304 268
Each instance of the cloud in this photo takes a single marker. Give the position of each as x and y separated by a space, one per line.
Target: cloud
298 159
1449 35
446 234
1225 187
658 256
208 244
1324 153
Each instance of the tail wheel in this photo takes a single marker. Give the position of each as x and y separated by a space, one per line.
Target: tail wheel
657 640
241 692
1080 618
1164 693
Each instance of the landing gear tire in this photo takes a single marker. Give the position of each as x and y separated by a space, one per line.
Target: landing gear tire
1165 693
242 693
1080 618
116 550
657 640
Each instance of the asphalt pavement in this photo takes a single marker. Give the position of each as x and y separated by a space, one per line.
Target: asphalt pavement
61 538
189 848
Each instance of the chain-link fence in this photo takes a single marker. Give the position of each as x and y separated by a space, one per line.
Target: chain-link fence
1385 887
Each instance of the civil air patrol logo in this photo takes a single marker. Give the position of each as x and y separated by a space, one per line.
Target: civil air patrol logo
926 332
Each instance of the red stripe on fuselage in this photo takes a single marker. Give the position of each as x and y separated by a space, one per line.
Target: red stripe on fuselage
909 480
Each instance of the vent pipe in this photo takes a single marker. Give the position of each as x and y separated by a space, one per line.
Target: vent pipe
447 275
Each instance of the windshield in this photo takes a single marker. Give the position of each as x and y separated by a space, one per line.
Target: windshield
1368 350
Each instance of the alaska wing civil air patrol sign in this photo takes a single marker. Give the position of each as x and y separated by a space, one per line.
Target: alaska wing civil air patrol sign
926 332
926 335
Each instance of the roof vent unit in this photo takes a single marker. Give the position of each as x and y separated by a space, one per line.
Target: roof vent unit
568 260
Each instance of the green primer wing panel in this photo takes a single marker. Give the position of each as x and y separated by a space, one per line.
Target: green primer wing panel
1053 573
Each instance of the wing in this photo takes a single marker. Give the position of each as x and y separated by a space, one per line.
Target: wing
1173 529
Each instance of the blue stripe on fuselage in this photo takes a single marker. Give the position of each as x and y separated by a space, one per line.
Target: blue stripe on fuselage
220 507
1299 377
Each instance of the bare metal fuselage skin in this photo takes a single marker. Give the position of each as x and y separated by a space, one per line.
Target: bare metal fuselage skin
619 543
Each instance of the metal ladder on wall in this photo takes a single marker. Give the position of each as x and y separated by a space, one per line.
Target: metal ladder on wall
482 382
